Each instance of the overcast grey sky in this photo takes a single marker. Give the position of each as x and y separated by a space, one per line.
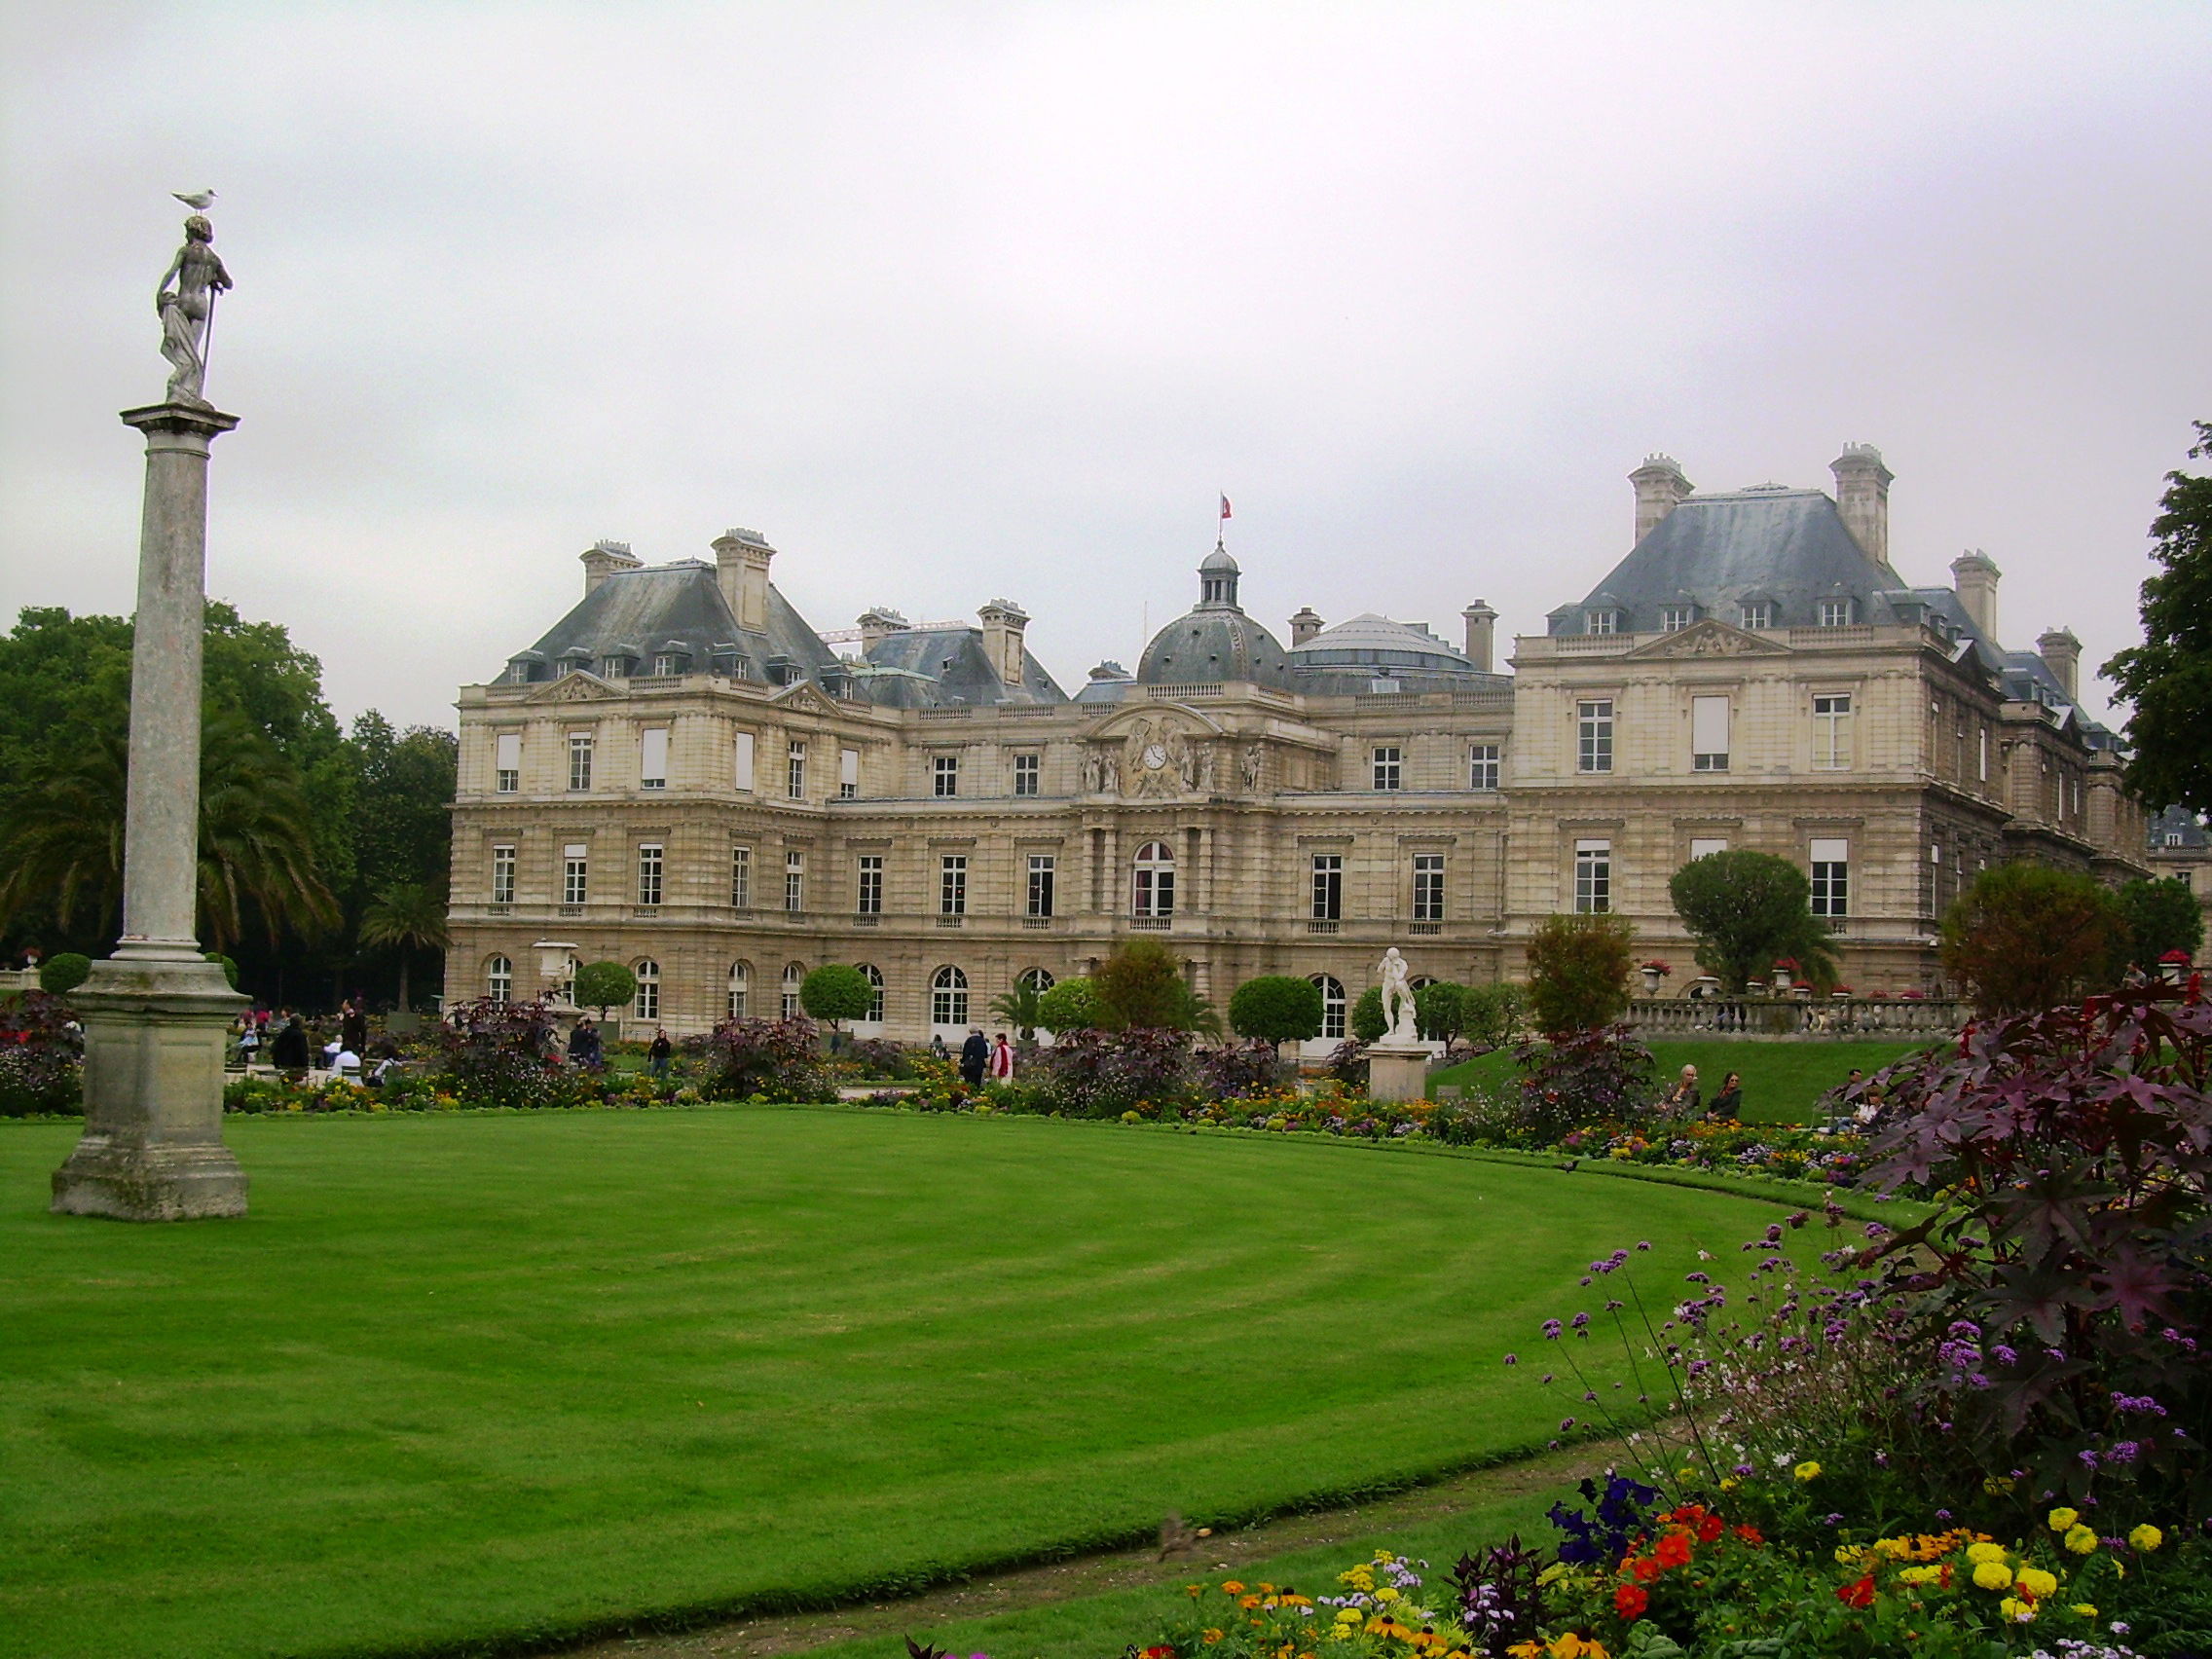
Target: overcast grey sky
962 300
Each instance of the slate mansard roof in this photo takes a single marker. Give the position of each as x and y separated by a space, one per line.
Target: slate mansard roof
923 668
675 610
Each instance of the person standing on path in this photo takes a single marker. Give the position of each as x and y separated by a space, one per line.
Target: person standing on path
975 1055
657 1056
353 1027
1001 1059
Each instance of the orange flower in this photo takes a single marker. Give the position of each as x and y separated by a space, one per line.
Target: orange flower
1673 1550
1857 1594
1644 1568
1751 1535
1230 1587
1630 1601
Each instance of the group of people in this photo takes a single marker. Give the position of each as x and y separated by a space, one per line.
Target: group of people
983 1056
288 1040
1684 1102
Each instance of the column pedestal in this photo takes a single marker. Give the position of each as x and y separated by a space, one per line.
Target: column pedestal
1397 1073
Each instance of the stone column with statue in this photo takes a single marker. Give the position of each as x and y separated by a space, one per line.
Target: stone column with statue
156 1013
1397 1061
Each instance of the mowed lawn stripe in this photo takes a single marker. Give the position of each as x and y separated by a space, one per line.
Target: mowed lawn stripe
460 1377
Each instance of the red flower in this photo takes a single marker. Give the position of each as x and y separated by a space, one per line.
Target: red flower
1630 1601
1858 1594
1643 1566
1751 1535
1673 1550
1710 1527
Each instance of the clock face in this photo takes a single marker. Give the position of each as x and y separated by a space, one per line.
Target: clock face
1155 756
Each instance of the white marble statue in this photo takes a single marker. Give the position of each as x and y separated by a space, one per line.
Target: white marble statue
1398 1000
188 311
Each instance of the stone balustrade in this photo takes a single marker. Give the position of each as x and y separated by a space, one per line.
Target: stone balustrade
1792 1016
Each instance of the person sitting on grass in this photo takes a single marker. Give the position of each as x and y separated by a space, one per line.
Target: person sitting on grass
1728 1105
1683 1099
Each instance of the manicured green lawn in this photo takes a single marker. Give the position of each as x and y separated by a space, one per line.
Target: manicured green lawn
457 1377
1783 1081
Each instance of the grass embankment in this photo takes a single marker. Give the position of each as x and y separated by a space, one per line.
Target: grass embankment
464 1381
1783 1081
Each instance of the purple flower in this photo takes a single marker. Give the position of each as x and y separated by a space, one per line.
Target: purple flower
1565 1424
1551 1329
1513 1359
2088 1460
1942 1514
1644 1243
1581 1321
2125 1451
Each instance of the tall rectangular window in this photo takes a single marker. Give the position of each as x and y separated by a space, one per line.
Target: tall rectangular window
503 875
1327 887
1982 757
575 873
579 761
1592 878
652 758
1428 887
1831 732
1389 767
1043 875
1709 735
868 900
947 775
1594 722
1831 878
795 771
952 885
649 858
1482 767
1028 770
506 763
1673 618
741 878
848 773
794 882
742 770
1757 613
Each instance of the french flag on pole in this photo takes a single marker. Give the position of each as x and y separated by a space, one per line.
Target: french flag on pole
1225 507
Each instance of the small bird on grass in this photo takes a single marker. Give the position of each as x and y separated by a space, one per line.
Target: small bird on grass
1569 1164
199 201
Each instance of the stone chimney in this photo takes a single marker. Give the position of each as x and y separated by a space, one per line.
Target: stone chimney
1482 624
604 558
1973 574
877 624
1862 496
740 571
1004 624
1305 625
2062 655
1660 488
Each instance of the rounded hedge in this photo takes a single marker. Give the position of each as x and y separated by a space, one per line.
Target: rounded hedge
1278 1007
604 985
836 992
63 973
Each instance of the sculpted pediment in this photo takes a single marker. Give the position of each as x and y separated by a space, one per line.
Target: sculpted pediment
580 686
1153 753
1711 637
805 698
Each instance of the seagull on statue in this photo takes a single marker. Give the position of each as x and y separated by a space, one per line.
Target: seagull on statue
199 201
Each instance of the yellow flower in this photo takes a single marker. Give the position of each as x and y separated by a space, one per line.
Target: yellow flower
1920 1575
1996 1485
2018 1611
2081 1539
1727 1483
1847 1555
1807 1471
1212 1637
1385 1594
1985 1552
2038 1583
1231 1587
2084 1610
1993 1575
2146 1537
1896 1549
2062 1518
1348 1616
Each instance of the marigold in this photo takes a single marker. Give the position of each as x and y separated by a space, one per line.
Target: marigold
1807 1471
2146 1537
1231 1587
2061 1520
2084 1610
1918 1575
2082 1540
2017 1610
2035 1583
1993 1575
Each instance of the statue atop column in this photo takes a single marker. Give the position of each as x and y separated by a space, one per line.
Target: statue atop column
188 311
1398 1000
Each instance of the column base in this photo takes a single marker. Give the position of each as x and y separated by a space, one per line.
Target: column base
155 1029
1397 1074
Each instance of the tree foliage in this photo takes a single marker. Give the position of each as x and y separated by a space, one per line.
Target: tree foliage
2168 676
1367 1022
1276 1008
836 992
2159 916
1072 1005
406 916
2025 937
1578 971
1021 1006
59 976
1439 1008
604 985
1141 988
1491 1015
1748 912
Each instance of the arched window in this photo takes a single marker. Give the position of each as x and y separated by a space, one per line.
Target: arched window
1154 891
1332 1007
499 980
740 982
875 976
949 997
1036 978
795 976
647 1002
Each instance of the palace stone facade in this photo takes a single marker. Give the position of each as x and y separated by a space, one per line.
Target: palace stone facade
682 775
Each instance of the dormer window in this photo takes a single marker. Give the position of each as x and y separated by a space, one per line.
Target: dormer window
518 674
563 668
1604 622
1757 613
668 664
613 668
1834 612
1673 618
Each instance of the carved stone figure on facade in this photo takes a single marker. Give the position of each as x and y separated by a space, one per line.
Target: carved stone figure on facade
1156 760
1205 770
1398 1000
1093 772
188 311
1255 759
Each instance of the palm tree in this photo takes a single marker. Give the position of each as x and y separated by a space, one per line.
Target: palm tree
1018 1008
63 840
406 916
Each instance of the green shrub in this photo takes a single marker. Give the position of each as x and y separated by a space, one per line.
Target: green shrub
1278 1008
1748 912
604 985
2025 937
229 967
1578 973
836 992
1141 988
2160 916
1072 1005
1491 1016
1367 1021
61 975
1437 1010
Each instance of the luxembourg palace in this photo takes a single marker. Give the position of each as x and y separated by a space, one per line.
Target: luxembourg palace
683 776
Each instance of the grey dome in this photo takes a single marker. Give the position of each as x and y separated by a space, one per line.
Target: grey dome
1219 559
1372 641
1211 644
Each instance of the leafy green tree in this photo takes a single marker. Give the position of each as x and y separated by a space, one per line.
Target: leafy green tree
604 985
1438 1010
2026 938
1141 988
1578 969
836 992
1748 912
1491 1016
1021 1006
63 973
1367 1022
2168 676
1072 1005
1276 1008
2160 916
406 917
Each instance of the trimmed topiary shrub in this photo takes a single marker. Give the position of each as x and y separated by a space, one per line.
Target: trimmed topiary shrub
1367 1021
836 992
1276 1008
59 976
1069 1006
1437 1010
604 985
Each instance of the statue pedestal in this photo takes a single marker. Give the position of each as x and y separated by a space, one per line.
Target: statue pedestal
155 1028
1397 1071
